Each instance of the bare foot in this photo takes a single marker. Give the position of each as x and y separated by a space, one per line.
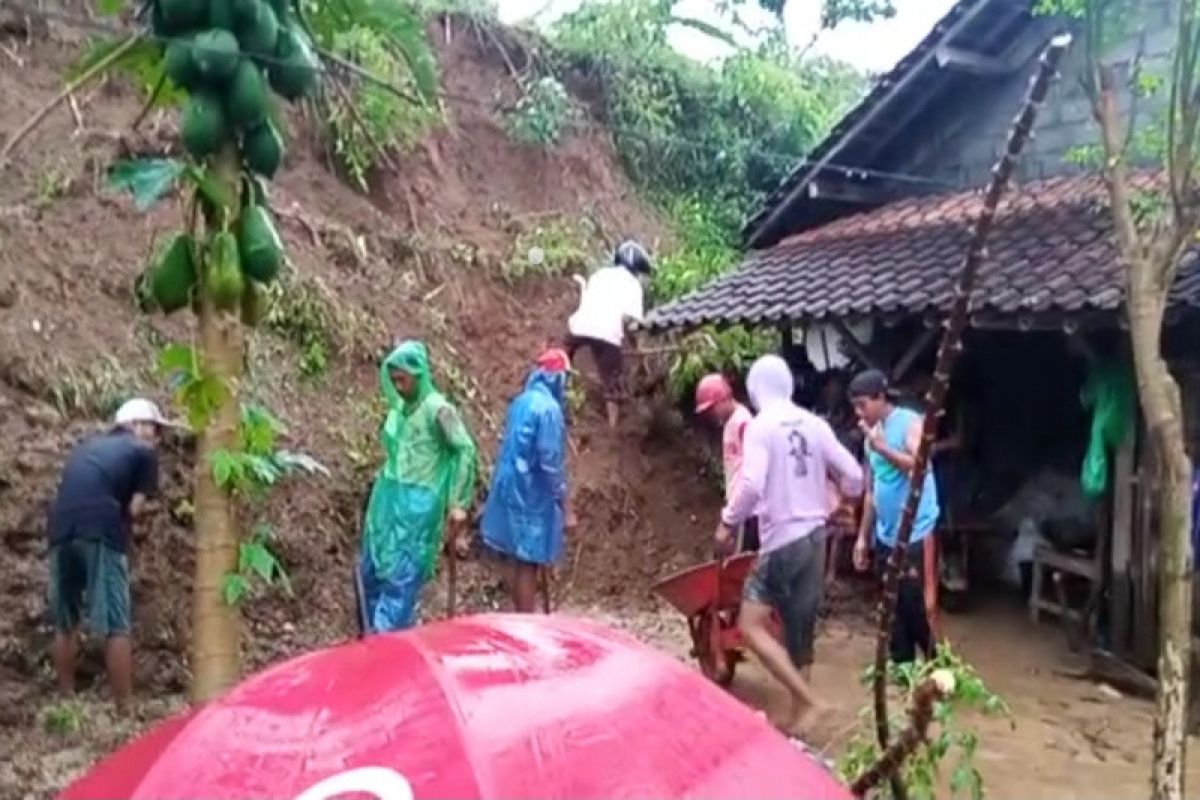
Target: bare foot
815 723
806 721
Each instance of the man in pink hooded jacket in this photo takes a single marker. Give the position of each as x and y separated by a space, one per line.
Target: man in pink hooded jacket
790 456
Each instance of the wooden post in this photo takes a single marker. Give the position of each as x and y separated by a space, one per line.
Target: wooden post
787 341
1121 552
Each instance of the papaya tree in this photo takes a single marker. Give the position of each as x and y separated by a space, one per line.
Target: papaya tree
227 64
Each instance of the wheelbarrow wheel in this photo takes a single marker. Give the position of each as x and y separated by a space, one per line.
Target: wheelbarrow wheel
715 662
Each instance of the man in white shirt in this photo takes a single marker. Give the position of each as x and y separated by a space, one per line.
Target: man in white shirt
612 297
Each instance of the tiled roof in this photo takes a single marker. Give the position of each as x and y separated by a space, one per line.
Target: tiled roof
1051 250
912 81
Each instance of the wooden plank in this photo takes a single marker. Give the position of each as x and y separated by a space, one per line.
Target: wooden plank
1121 551
1145 605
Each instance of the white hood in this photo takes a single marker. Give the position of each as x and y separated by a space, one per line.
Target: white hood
770 381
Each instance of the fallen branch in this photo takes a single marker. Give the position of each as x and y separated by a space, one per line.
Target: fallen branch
362 123
356 70
75 112
72 87
939 685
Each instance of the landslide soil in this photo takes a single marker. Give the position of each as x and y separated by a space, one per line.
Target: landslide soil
422 254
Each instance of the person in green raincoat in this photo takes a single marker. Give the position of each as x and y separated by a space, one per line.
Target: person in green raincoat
425 486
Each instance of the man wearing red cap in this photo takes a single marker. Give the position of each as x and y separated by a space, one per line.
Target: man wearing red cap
715 402
527 510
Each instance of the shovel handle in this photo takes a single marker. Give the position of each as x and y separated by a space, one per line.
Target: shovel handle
544 579
451 583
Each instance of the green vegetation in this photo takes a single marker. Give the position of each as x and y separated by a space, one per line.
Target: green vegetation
950 743
557 246
63 718
705 142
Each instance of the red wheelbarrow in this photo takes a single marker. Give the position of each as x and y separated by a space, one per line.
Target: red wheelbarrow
709 596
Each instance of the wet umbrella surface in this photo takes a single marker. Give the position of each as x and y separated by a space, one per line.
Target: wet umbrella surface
497 706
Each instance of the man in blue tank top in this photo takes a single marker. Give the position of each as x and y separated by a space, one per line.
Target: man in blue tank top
892 435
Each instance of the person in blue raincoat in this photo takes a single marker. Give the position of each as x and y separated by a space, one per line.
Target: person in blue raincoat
527 510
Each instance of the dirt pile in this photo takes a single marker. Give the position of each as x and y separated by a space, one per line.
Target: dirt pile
423 255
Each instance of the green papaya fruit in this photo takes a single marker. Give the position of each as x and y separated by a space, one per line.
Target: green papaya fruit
246 98
179 65
173 17
262 149
216 55
173 276
221 15
259 244
224 281
294 73
258 33
254 304
203 126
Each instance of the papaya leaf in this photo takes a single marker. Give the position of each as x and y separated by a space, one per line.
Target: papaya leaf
147 179
235 588
176 358
142 63
256 558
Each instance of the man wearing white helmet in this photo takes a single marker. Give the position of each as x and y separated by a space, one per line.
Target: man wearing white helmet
612 296
105 484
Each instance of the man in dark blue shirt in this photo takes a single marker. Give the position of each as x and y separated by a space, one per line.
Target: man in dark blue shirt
105 485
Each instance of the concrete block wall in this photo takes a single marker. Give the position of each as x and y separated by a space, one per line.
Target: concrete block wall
968 139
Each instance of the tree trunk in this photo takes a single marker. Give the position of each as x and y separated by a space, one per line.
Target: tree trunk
216 629
1161 404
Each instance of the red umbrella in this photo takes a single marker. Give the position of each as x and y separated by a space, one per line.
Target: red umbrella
496 706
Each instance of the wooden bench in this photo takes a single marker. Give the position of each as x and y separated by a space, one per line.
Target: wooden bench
1058 564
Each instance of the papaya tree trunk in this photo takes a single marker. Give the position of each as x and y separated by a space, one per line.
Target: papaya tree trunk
216 626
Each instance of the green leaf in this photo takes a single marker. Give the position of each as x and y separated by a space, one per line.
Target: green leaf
234 588
260 561
227 468
176 358
109 8
147 179
143 63
262 469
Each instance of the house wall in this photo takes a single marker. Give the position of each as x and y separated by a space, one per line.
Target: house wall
961 146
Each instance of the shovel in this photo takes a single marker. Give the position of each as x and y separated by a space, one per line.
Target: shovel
451 583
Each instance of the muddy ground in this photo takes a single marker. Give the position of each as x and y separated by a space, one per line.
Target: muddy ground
1066 740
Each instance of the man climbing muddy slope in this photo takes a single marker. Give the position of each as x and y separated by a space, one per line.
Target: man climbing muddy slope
106 484
790 456
527 509
892 436
423 490
716 403
612 296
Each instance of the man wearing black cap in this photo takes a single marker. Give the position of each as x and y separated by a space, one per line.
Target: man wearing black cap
892 435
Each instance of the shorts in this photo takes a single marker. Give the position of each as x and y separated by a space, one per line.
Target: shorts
610 361
791 580
89 583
